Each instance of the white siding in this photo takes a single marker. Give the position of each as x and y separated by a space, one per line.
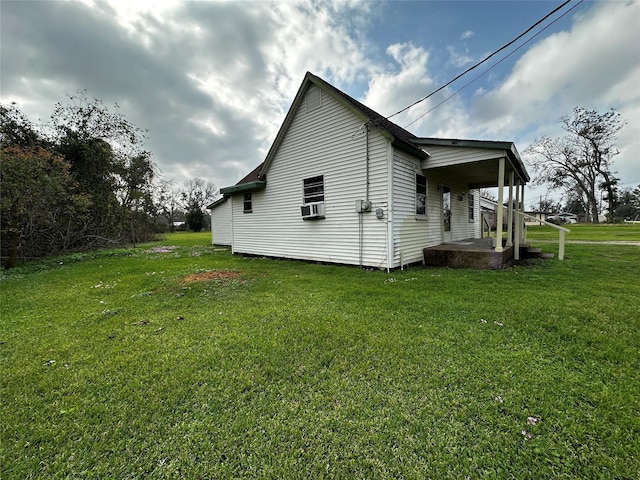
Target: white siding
461 228
412 233
221 223
442 156
324 141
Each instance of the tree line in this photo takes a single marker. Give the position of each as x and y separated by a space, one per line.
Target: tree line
84 181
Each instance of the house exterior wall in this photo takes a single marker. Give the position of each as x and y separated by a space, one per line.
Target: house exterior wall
221 224
443 156
412 233
324 141
461 227
538 215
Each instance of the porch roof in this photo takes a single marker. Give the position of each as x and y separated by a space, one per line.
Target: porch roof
479 164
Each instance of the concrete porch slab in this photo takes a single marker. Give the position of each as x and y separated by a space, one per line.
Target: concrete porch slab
469 253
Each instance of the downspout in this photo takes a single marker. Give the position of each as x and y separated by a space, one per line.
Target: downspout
366 197
390 203
233 238
366 126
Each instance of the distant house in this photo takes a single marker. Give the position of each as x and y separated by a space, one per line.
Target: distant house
538 216
342 184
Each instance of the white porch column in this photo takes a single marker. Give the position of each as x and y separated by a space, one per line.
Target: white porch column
510 212
499 212
518 232
523 234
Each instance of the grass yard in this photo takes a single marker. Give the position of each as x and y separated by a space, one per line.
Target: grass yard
187 362
620 232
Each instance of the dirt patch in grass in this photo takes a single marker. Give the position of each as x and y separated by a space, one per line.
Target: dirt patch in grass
220 275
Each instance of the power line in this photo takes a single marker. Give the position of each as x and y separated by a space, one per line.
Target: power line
492 66
484 60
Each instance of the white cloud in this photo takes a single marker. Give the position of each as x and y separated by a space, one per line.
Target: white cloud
459 59
593 65
466 35
583 67
401 83
212 81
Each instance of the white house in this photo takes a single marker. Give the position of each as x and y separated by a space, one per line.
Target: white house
342 184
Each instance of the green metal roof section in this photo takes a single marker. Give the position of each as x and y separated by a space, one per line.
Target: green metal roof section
244 187
508 147
218 202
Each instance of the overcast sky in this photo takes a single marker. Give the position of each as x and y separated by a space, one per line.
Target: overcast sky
212 81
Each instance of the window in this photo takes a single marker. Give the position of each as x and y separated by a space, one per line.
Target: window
313 189
472 206
247 203
421 194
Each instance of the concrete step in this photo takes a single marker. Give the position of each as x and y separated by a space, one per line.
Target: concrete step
527 251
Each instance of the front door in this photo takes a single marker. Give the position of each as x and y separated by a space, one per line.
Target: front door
446 214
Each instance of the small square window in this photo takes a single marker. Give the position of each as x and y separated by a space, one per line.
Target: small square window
421 194
247 203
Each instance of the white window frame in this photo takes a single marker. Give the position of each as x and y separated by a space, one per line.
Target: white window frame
472 206
421 198
310 194
247 199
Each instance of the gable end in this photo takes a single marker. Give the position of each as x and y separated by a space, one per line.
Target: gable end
313 98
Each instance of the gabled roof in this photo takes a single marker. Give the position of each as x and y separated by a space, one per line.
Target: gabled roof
251 182
400 137
400 134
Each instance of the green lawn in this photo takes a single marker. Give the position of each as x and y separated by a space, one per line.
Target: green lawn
188 362
588 232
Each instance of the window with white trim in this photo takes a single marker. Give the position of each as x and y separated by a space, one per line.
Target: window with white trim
421 194
247 204
313 189
472 205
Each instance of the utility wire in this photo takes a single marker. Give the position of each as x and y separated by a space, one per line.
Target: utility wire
492 66
484 60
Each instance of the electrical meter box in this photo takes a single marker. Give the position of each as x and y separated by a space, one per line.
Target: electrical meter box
362 206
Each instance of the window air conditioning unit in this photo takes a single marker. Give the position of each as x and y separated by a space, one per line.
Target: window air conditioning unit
312 210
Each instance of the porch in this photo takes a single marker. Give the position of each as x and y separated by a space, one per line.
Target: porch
469 253
477 253
482 164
